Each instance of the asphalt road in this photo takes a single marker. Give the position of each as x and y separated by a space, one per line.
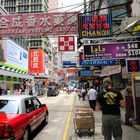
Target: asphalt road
59 111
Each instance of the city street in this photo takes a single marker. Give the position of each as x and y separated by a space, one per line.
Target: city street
61 115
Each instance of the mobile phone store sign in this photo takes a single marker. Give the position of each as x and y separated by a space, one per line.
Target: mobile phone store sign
112 51
38 24
95 26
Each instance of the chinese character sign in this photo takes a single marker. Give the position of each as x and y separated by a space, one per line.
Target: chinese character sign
36 64
38 24
133 65
95 26
116 50
66 43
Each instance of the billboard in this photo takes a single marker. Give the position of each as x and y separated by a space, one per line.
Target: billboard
36 60
95 26
14 55
117 50
38 24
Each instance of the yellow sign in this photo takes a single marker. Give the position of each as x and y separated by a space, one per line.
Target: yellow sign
136 29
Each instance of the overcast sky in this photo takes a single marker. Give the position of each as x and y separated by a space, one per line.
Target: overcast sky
72 2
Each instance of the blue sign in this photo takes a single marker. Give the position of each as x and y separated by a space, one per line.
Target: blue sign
86 73
69 64
97 62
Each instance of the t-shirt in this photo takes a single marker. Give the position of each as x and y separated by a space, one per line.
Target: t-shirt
92 94
109 100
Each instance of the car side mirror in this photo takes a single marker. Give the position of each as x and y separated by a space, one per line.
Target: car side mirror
43 105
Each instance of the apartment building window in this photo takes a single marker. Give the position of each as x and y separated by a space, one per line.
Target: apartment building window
10 3
36 43
35 1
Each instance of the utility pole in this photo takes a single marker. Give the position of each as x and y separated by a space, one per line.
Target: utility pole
85 6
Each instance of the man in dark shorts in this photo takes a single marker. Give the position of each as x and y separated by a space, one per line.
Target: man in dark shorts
109 101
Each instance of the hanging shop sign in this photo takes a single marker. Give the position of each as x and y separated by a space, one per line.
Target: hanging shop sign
86 73
38 24
110 70
66 43
96 62
133 65
95 26
69 64
112 51
36 63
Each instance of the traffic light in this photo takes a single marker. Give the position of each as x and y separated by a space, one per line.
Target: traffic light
79 43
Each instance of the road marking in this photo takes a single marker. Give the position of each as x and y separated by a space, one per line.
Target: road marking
68 120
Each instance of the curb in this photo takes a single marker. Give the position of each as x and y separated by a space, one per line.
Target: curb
137 127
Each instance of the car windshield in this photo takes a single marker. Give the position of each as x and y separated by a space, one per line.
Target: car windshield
9 106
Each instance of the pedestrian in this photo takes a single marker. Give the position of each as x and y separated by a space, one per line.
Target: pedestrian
109 101
92 95
83 91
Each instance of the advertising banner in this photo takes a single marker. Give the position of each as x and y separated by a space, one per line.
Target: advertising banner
38 24
112 51
36 61
95 26
110 70
14 55
66 43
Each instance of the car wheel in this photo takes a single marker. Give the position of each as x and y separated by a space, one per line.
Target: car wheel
26 134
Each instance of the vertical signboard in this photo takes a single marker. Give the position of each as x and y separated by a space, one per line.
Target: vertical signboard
36 61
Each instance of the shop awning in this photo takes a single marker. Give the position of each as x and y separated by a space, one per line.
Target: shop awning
14 74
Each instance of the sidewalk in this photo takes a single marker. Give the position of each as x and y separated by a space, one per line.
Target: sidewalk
129 133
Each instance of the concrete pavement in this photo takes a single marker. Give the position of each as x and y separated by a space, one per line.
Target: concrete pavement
129 133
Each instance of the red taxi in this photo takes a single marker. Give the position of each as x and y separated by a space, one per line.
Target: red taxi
20 115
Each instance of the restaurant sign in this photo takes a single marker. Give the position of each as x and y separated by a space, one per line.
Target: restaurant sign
38 24
116 50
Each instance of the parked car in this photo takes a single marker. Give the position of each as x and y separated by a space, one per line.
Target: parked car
52 91
20 115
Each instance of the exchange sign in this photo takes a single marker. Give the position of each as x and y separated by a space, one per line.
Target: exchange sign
95 26
38 24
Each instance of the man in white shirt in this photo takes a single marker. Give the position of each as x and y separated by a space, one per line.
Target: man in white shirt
83 91
92 95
